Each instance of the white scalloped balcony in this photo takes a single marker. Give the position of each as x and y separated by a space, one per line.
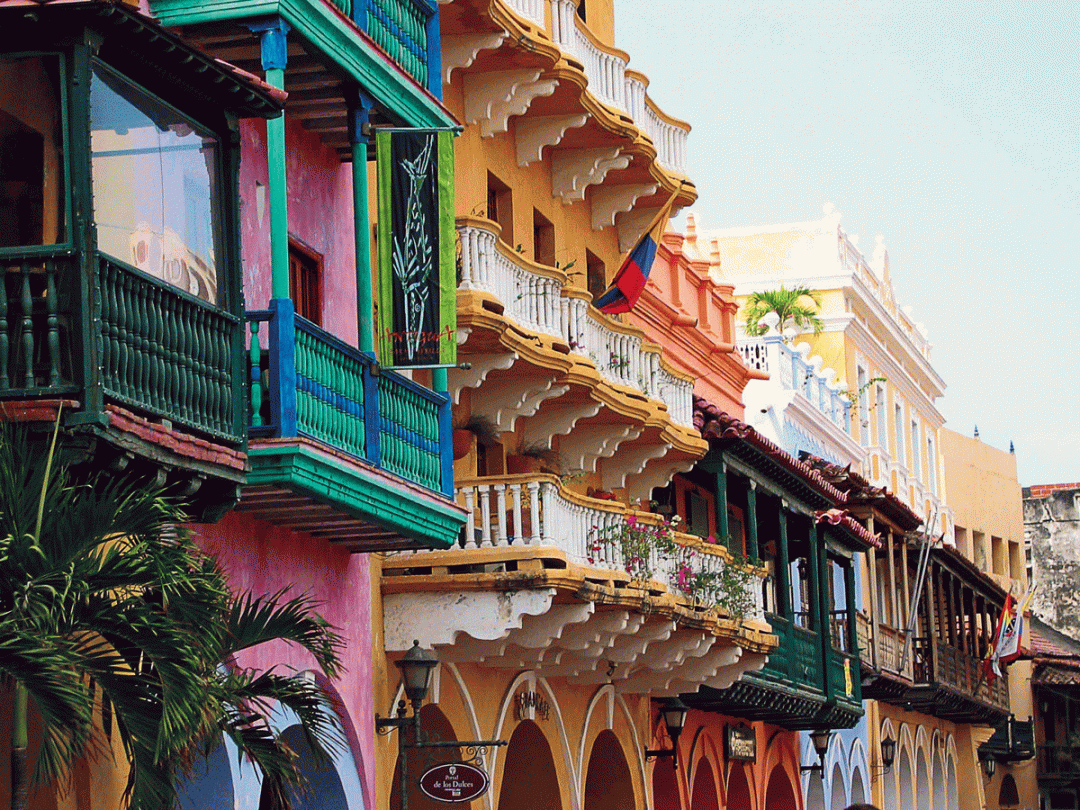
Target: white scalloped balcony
534 510
539 298
609 80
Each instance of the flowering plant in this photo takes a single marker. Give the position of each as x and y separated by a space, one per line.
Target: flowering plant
641 548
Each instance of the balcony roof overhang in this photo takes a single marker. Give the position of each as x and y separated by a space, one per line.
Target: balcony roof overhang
951 703
529 608
328 58
296 484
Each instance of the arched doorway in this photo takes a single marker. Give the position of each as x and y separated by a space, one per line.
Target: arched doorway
1008 796
665 789
434 726
780 794
703 796
858 790
922 782
607 782
529 780
325 791
904 795
953 789
210 783
938 785
839 799
738 791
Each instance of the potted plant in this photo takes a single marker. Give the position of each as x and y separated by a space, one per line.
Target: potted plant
534 458
479 427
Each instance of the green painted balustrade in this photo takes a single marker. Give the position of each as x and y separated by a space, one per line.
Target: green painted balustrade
165 351
149 346
408 31
306 382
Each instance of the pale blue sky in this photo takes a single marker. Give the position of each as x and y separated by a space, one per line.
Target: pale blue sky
951 128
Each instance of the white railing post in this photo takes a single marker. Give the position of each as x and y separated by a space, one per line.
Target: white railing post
485 516
535 514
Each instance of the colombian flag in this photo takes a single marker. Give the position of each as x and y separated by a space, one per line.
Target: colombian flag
628 283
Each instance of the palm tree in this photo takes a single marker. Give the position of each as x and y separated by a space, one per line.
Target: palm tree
106 601
789 307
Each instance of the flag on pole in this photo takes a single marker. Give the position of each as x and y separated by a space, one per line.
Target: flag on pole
1009 648
630 280
417 316
991 663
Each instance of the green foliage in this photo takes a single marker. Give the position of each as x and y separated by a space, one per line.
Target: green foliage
788 305
641 548
104 598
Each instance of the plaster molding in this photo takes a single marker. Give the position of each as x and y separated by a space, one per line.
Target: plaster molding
655 474
631 462
481 366
461 50
587 444
609 201
532 134
492 98
557 421
574 170
514 397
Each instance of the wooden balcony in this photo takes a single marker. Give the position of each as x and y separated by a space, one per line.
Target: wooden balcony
1058 764
155 371
949 683
794 689
882 654
340 448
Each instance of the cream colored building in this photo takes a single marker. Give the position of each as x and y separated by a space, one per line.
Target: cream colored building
878 350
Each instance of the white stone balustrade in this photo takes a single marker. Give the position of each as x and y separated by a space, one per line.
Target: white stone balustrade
532 296
799 373
531 10
529 296
533 510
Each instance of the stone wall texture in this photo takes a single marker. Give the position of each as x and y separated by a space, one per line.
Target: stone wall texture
1052 530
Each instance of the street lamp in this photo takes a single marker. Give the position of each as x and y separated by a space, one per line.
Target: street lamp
673 711
415 666
888 753
820 738
989 765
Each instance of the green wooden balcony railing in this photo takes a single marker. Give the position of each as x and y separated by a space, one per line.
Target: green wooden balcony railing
407 30
148 345
306 382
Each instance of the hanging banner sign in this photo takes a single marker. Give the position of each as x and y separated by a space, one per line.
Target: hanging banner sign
454 782
417 298
741 743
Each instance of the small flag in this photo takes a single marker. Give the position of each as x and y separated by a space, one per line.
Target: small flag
628 283
991 663
1009 648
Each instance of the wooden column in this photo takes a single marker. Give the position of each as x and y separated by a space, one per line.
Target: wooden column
872 602
783 570
721 505
751 521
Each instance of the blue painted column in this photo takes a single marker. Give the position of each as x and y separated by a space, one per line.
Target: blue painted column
273 35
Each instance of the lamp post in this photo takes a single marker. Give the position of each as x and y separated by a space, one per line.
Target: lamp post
416 666
673 711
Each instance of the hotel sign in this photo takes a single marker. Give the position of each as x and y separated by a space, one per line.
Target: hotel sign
741 743
454 782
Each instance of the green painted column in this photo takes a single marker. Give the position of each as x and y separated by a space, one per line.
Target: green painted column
783 574
275 55
751 522
365 328
721 506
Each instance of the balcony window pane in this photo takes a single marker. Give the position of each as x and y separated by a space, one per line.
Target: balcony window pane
31 153
155 186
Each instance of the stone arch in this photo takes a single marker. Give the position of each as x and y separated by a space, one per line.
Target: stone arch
937 779
952 790
857 768
738 787
703 794
858 788
529 780
780 792
922 779
325 788
608 785
618 719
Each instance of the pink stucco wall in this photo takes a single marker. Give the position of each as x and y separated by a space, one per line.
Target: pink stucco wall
320 215
264 558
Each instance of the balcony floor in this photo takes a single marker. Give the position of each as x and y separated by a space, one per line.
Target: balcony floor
296 483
